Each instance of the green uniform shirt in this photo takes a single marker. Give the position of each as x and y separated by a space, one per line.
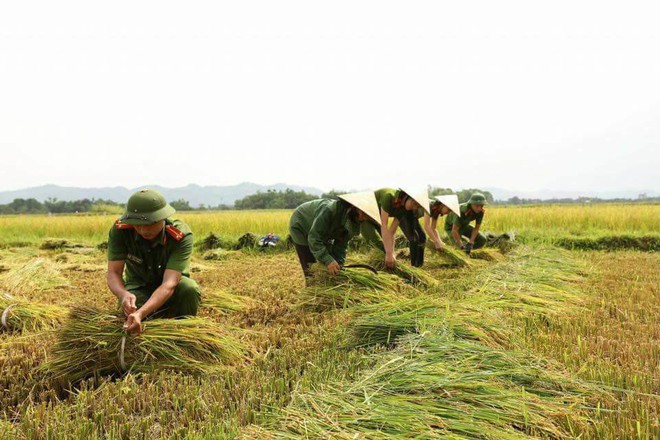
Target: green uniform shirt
467 216
145 263
385 197
324 226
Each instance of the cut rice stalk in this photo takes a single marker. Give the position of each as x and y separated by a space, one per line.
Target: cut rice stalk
17 314
94 344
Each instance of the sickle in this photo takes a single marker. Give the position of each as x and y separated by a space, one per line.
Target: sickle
5 314
121 354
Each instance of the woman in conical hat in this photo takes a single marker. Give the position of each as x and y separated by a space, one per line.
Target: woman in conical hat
440 206
320 229
402 206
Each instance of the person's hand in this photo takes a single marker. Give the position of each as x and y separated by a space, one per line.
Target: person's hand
133 324
390 261
468 248
439 246
128 303
334 268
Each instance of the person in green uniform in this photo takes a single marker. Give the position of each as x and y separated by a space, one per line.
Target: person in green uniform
149 262
404 208
459 226
321 229
441 206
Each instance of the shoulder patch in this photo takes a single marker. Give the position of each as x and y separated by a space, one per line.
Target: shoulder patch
120 225
174 232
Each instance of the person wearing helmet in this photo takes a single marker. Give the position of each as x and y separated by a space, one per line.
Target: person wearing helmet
440 206
149 262
321 229
459 226
404 208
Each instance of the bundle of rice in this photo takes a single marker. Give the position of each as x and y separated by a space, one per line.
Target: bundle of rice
224 302
384 323
216 255
486 254
353 286
504 242
213 241
416 276
94 344
352 278
20 315
454 256
58 244
37 274
247 241
437 387
324 298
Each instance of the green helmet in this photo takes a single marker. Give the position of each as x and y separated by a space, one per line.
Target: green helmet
478 199
145 207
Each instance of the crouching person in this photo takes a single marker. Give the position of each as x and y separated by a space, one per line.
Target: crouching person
149 262
321 229
458 226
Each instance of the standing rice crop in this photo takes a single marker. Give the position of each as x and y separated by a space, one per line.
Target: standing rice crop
94 344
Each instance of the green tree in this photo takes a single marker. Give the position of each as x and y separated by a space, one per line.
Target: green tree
181 205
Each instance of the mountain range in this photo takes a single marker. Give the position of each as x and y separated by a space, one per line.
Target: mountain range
214 195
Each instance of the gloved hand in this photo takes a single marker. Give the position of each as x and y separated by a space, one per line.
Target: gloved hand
467 248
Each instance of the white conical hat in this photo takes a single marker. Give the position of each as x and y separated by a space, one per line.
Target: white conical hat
420 196
365 202
451 202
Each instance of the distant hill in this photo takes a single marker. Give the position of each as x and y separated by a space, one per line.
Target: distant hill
195 194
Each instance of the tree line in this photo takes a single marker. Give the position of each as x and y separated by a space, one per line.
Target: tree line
271 199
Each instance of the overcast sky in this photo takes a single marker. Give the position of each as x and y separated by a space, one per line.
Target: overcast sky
520 95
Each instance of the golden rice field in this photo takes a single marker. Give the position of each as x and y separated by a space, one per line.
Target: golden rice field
537 342
534 222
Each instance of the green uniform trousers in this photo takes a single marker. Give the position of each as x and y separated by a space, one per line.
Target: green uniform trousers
466 231
184 301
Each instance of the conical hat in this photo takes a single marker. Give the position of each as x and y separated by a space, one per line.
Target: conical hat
421 197
451 202
365 202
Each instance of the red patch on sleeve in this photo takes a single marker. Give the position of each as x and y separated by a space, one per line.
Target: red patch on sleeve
174 232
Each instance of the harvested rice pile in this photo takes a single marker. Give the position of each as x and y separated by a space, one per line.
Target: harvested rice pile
94 344
17 314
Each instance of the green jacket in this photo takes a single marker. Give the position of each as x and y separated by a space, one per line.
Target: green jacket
324 226
467 216
386 199
145 263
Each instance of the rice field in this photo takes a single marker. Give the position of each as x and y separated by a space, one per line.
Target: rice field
541 341
532 223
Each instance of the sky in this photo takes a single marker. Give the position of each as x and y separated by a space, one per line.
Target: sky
523 95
